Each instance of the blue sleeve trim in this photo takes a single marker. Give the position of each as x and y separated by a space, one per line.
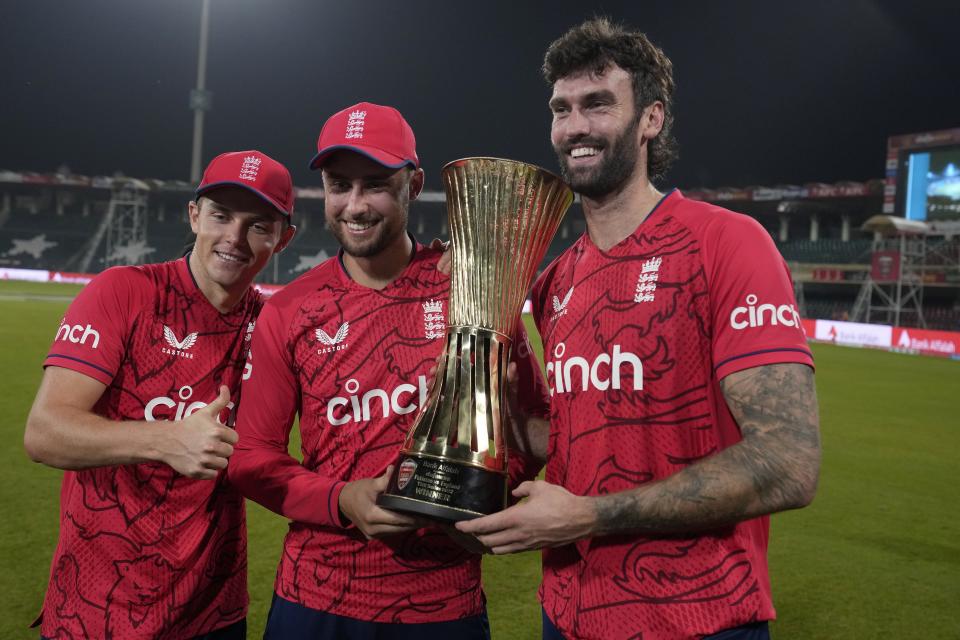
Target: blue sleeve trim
756 353
89 364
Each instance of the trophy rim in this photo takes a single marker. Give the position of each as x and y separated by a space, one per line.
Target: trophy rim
511 161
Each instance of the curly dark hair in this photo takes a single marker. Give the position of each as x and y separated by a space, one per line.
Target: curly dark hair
597 44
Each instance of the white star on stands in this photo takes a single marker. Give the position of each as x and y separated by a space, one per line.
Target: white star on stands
34 246
132 253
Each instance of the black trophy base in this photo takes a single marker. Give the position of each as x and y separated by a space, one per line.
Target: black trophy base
443 489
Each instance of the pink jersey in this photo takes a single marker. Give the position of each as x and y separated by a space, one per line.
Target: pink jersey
636 340
353 362
145 552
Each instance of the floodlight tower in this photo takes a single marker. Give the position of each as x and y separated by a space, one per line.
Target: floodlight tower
201 100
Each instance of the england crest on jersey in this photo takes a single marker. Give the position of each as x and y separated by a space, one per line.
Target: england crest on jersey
647 280
434 325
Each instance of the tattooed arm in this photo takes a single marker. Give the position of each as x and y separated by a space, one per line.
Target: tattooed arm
774 468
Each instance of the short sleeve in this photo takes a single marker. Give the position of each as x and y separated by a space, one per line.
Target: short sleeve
92 336
754 313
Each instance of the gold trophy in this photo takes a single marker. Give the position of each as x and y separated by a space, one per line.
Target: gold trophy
503 215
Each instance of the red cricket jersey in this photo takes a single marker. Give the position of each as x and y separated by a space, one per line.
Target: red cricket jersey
353 362
636 340
145 552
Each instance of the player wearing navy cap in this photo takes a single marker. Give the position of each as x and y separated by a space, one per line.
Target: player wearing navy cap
348 347
135 393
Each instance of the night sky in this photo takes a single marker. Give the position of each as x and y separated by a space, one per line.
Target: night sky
768 92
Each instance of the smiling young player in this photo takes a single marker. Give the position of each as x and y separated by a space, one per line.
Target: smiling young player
135 393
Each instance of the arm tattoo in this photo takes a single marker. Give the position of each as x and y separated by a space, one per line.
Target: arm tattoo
773 468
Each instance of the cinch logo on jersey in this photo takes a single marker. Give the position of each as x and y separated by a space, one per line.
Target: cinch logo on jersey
178 348
360 406
332 344
164 408
578 374
758 316
560 306
78 334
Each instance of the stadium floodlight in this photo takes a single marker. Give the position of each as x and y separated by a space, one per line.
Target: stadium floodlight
201 100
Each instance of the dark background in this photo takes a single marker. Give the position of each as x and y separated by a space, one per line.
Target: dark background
768 92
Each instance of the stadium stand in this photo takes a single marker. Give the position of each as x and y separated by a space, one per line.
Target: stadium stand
36 234
944 252
827 251
942 317
826 309
51 222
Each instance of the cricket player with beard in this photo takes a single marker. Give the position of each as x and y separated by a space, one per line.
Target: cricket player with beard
135 393
683 408
349 347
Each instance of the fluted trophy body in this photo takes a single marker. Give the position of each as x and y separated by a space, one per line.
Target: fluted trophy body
502 215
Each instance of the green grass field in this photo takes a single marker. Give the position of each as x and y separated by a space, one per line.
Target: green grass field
876 556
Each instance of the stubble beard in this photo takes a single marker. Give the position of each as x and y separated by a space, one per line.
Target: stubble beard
387 233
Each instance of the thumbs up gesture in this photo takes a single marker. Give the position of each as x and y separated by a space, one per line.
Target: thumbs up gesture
198 446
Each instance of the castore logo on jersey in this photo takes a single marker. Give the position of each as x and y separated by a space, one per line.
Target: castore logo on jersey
560 373
358 407
332 343
178 348
560 306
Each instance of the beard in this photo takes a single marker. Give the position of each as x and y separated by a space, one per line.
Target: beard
387 231
615 170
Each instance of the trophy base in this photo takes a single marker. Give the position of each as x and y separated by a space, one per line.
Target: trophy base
443 489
